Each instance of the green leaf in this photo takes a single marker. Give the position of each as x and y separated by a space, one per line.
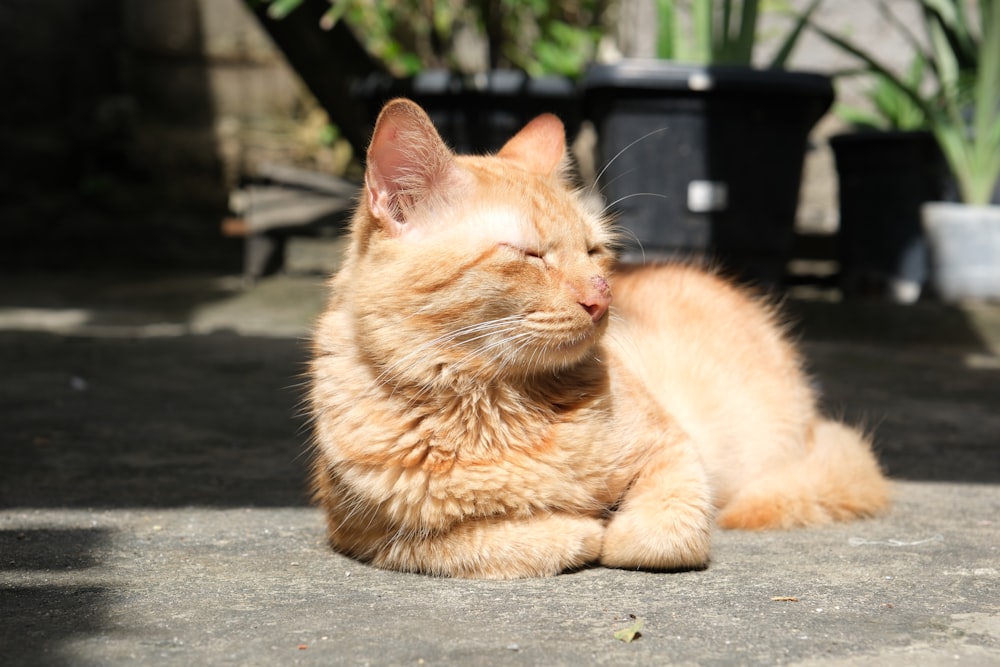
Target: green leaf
877 67
860 118
741 48
986 112
333 14
329 134
666 46
792 38
702 17
279 9
631 633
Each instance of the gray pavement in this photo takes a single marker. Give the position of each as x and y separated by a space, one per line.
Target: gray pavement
152 505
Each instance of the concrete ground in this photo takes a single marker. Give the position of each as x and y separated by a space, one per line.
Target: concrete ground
152 506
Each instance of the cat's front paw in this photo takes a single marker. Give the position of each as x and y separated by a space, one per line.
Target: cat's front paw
555 544
500 548
678 538
540 546
576 542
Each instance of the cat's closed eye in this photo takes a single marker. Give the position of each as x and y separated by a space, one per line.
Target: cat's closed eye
534 255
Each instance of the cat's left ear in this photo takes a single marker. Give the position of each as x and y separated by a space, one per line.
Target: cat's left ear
540 147
409 167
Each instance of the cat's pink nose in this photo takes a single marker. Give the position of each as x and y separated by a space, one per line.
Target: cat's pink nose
597 299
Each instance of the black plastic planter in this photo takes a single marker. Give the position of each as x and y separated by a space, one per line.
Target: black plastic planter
884 178
478 114
705 160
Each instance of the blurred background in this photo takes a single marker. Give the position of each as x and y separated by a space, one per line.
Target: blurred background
128 124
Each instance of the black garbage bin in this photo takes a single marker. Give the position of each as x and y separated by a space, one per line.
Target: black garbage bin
705 160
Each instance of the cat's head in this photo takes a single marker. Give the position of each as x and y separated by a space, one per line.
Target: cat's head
491 265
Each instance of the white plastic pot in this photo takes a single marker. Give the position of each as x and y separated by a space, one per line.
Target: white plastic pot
964 243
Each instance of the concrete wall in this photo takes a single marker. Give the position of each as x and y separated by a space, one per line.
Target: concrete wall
127 122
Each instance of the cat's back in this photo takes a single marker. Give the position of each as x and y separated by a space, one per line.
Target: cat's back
696 302
717 358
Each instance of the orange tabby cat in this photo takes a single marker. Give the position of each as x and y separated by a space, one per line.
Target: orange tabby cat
480 410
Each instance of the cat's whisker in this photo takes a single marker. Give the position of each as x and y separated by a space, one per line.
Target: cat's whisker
533 361
608 184
501 328
630 196
515 355
617 155
483 329
626 231
488 348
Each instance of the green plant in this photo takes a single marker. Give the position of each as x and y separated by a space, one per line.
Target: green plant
405 35
962 108
543 37
719 31
891 108
537 36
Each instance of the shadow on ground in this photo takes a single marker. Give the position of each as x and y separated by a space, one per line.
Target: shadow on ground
101 301
108 416
924 379
119 422
38 619
42 619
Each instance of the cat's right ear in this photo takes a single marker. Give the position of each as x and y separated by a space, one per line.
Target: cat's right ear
539 147
408 163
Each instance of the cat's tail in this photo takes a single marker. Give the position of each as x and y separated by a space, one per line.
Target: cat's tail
838 479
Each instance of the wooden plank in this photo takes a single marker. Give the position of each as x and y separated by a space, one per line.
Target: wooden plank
306 178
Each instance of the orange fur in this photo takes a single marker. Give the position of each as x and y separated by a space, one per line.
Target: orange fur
479 412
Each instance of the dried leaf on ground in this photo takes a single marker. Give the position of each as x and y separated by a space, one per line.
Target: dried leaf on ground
631 633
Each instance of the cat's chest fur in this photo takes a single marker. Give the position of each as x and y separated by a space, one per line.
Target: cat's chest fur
432 455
